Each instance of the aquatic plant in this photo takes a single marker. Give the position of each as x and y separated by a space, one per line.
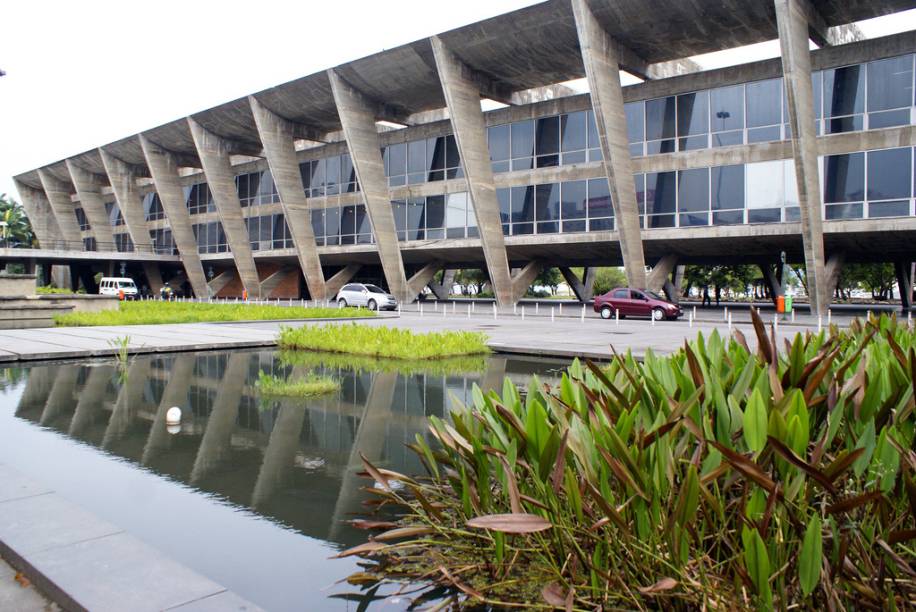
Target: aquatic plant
718 476
381 341
269 385
333 361
153 312
121 345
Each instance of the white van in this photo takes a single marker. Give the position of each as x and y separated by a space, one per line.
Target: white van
110 285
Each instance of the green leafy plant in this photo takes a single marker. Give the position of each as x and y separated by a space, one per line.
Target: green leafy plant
52 290
121 345
273 386
383 341
718 476
442 367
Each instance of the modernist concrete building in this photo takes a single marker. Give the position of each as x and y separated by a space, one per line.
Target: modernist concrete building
386 168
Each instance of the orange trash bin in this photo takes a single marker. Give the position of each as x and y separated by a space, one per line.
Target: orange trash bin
781 304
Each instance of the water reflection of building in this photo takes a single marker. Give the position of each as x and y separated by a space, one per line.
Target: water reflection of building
293 461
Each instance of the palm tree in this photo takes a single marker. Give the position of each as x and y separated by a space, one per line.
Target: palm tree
15 229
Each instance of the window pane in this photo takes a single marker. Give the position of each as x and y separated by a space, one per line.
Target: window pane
766 134
636 126
318 222
599 199
348 220
844 91
843 211
727 108
435 212
435 153
661 192
593 141
890 83
764 102
574 131
522 139
456 211
727 187
693 114
505 206
660 118
498 139
765 185
889 174
522 204
416 157
415 223
888 119
844 178
452 156
399 210
765 215
900 208
332 175
573 206
547 199
726 139
728 217
693 190
396 159
548 135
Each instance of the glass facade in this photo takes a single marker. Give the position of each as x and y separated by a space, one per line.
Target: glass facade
81 219
198 199
868 184
163 242
115 218
210 237
268 232
152 207
558 140
342 225
89 244
256 188
329 176
422 161
574 206
435 217
123 243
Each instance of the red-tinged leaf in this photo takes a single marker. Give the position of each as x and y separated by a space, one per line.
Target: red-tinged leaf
852 503
763 341
361 549
512 488
460 585
403 532
559 466
658 433
599 524
622 473
741 339
746 466
554 594
795 460
901 535
900 561
513 420
368 525
376 475
841 464
665 584
510 523
530 500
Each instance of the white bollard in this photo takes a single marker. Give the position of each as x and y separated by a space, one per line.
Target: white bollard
421 309
690 319
582 316
652 319
729 325
819 323
469 311
909 319
523 313
725 314
515 309
536 307
561 309
775 322
793 315
453 306
473 306
617 317
494 311
551 315
694 312
829 317
444 312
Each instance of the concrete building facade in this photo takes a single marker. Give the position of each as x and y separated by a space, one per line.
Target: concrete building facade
387 168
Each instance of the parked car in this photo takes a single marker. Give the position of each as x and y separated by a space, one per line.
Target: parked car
635 303
110 285
367 296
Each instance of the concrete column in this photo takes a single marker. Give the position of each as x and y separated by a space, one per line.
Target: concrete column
217 284
584 288
357 117
280 454
679 278
62 393
164 170
41 215
130 395
796 66
91 400
89 191
602 68
443 290
214 157
771 279
38 384
661 273
831 275
123 182
341 278
462 96
523 278
277 138
58 194
904 283
174 394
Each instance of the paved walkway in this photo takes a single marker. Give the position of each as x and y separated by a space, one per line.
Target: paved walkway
19 594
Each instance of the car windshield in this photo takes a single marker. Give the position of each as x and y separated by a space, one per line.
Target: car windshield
126 284
374 289
654 296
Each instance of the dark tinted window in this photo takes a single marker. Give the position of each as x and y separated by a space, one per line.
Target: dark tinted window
661 190
660 118
727 108
844 91
889 174
844 177
764 103
890 83
727 187
693 190
693 113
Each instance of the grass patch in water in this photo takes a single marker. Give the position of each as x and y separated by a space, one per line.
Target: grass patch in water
382 341
155 312
273 386
339 361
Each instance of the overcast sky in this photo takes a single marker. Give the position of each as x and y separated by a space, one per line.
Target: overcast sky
82 74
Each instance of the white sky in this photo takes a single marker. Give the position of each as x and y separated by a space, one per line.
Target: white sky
82 74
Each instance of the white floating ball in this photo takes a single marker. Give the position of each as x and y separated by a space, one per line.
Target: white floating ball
173 416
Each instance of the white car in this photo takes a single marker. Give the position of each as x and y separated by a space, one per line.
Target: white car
110 285
367 296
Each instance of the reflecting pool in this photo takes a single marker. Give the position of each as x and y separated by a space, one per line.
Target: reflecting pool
252 493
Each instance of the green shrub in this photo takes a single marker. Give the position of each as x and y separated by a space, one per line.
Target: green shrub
440 367
159 312
714 477
311 385
381 341
52 290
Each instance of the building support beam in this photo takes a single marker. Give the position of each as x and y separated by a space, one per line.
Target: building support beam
443 290
164 169
214 154
599 56
796 64
523 278
217 284
462 95
89 191
153 276
771 278
58 195
831 276
277 137
584 288
422 278
903 270
269 284
661 273
41 215
357 117
341 278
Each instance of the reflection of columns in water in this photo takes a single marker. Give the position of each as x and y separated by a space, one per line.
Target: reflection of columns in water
215 443
129 397
61 392
37 388
280 452
495 375
370 441
91 399
174 394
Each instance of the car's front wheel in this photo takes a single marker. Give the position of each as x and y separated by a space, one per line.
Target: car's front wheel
342 303
372 305
658 314
606 312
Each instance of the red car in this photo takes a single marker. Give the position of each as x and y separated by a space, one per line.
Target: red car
635 303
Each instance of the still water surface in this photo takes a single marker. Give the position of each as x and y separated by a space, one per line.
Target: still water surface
251 493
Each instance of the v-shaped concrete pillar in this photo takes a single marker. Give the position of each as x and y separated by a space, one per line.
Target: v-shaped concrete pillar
89 191
41 215
602 67
58 195
214 157
164 170
357 117
277 138
463 99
